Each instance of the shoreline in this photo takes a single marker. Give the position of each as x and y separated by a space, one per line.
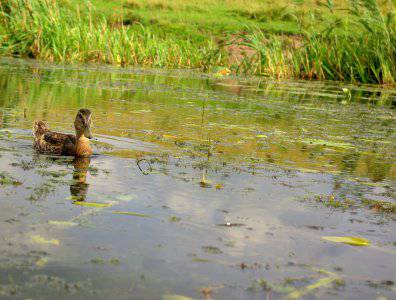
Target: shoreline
59 34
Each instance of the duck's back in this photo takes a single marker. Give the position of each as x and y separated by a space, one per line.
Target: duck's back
47 141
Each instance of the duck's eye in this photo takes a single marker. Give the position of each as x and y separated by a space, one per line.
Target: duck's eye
82 118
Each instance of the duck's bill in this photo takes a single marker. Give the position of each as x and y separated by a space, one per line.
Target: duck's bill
88 133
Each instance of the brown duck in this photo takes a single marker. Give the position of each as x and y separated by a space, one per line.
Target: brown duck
46 141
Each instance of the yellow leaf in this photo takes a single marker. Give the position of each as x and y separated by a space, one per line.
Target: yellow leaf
130 213
169 136
40 240
91 204
175 297
219 186
350 240
42 262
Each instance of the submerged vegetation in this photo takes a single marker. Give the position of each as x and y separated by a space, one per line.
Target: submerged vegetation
313 40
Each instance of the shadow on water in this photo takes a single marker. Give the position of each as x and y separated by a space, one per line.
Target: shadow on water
203 187
79 188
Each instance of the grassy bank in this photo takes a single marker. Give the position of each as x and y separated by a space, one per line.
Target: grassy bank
315 40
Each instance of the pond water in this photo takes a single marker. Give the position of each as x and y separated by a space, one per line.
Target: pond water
201 187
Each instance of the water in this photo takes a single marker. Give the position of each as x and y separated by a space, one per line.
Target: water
200 187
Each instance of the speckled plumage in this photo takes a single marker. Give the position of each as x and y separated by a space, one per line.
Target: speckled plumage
50 142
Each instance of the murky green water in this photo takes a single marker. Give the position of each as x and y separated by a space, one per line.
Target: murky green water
201 187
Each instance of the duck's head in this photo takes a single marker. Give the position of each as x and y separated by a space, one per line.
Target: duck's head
82 123
39 128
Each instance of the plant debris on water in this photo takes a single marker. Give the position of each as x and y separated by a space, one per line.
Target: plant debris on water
7 179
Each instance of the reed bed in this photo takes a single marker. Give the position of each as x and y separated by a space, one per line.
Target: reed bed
359 48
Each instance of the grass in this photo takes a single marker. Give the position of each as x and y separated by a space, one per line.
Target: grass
353 42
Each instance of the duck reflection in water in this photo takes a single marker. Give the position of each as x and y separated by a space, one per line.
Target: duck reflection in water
79 186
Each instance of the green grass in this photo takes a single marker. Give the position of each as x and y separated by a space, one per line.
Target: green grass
301 39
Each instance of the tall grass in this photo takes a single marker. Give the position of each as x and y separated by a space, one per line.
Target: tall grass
360 48
363 49
46 30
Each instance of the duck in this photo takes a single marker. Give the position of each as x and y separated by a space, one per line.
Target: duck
78 145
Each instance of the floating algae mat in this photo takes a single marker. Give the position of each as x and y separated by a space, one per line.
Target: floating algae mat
200 187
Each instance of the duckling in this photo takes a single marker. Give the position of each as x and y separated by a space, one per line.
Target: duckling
46 141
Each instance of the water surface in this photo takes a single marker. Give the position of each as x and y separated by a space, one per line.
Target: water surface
200 186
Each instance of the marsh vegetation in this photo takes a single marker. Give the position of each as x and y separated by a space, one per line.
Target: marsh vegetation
335 40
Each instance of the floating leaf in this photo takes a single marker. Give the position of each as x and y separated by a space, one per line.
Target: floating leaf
212 250
350 240
320 283
175 297
41 240
202 260
174 219
42 262
62 223
91 204
169 136
130 213
219 186
125 197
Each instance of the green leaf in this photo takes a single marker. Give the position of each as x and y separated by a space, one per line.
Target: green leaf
318 284
41 262
38 239
62 223
91 204
130 213
350 240
126 197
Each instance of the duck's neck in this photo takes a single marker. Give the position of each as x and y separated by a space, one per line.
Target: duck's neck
83 149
